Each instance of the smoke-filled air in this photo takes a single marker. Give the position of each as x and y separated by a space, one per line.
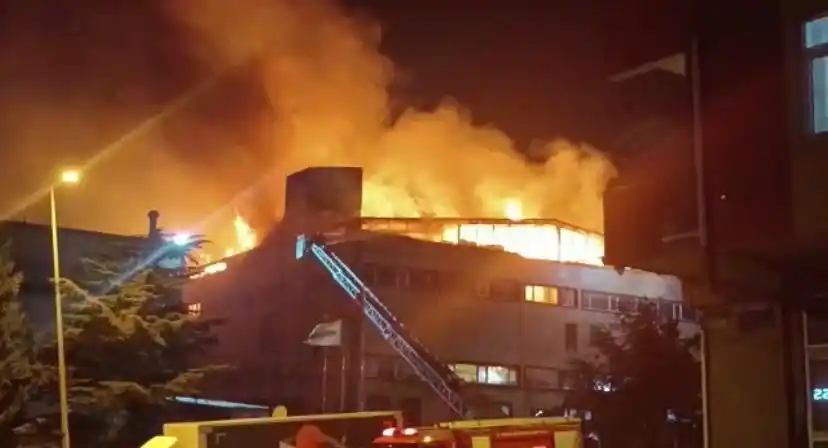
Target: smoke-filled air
328 85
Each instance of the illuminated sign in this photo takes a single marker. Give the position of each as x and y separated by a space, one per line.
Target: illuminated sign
820 394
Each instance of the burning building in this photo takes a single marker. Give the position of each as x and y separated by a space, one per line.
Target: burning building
497 305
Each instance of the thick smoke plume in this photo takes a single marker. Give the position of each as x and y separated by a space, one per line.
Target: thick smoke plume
328 86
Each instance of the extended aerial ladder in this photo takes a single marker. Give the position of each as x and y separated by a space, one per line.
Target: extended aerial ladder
436 374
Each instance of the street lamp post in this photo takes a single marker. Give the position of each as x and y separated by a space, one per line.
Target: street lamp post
66 177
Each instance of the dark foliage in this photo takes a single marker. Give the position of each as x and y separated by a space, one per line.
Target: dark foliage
130 343
21 375
642 387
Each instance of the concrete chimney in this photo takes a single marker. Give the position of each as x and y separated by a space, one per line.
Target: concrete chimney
154 232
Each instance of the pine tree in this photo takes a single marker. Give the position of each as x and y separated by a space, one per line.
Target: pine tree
20 374
642 387
130 345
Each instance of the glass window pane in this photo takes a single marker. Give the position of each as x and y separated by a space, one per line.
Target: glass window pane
819 94
816 32
466 372
499 375
540 378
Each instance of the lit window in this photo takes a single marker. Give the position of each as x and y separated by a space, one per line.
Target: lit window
816 44
482 374
194 309
466 372
550 295
497 375
541 294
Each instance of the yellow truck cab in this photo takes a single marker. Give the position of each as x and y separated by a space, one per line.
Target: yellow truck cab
553 432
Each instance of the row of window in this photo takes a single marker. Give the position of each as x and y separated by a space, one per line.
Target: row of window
390 368
428 280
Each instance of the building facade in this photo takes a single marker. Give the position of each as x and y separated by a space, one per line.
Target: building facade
506 324
756 84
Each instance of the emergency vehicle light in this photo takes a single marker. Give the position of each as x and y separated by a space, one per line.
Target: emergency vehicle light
391 432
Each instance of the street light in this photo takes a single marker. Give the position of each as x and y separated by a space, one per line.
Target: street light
181 239
66 177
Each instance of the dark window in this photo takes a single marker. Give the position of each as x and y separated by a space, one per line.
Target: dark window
403 280
506 290
596 332
627 303
423 279
597 301
449 280
571 337
540 378
667 310
688 313
568 297
381 275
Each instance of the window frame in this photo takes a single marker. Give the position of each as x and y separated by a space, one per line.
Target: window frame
541 384
810 55
481 374
565 297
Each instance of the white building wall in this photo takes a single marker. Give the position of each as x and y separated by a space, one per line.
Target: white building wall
461 325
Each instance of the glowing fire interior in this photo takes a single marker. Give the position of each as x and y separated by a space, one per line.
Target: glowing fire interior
246 239
533 239
530 239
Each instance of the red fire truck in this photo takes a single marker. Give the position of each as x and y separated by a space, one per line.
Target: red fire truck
552 432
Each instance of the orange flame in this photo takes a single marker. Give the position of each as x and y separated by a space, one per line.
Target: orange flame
245 237
513 210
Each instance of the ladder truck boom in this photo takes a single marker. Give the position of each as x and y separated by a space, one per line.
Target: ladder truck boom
436 374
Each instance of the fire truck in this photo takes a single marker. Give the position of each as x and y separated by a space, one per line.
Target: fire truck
552 432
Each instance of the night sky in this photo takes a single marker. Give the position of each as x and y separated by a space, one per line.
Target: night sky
75 76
